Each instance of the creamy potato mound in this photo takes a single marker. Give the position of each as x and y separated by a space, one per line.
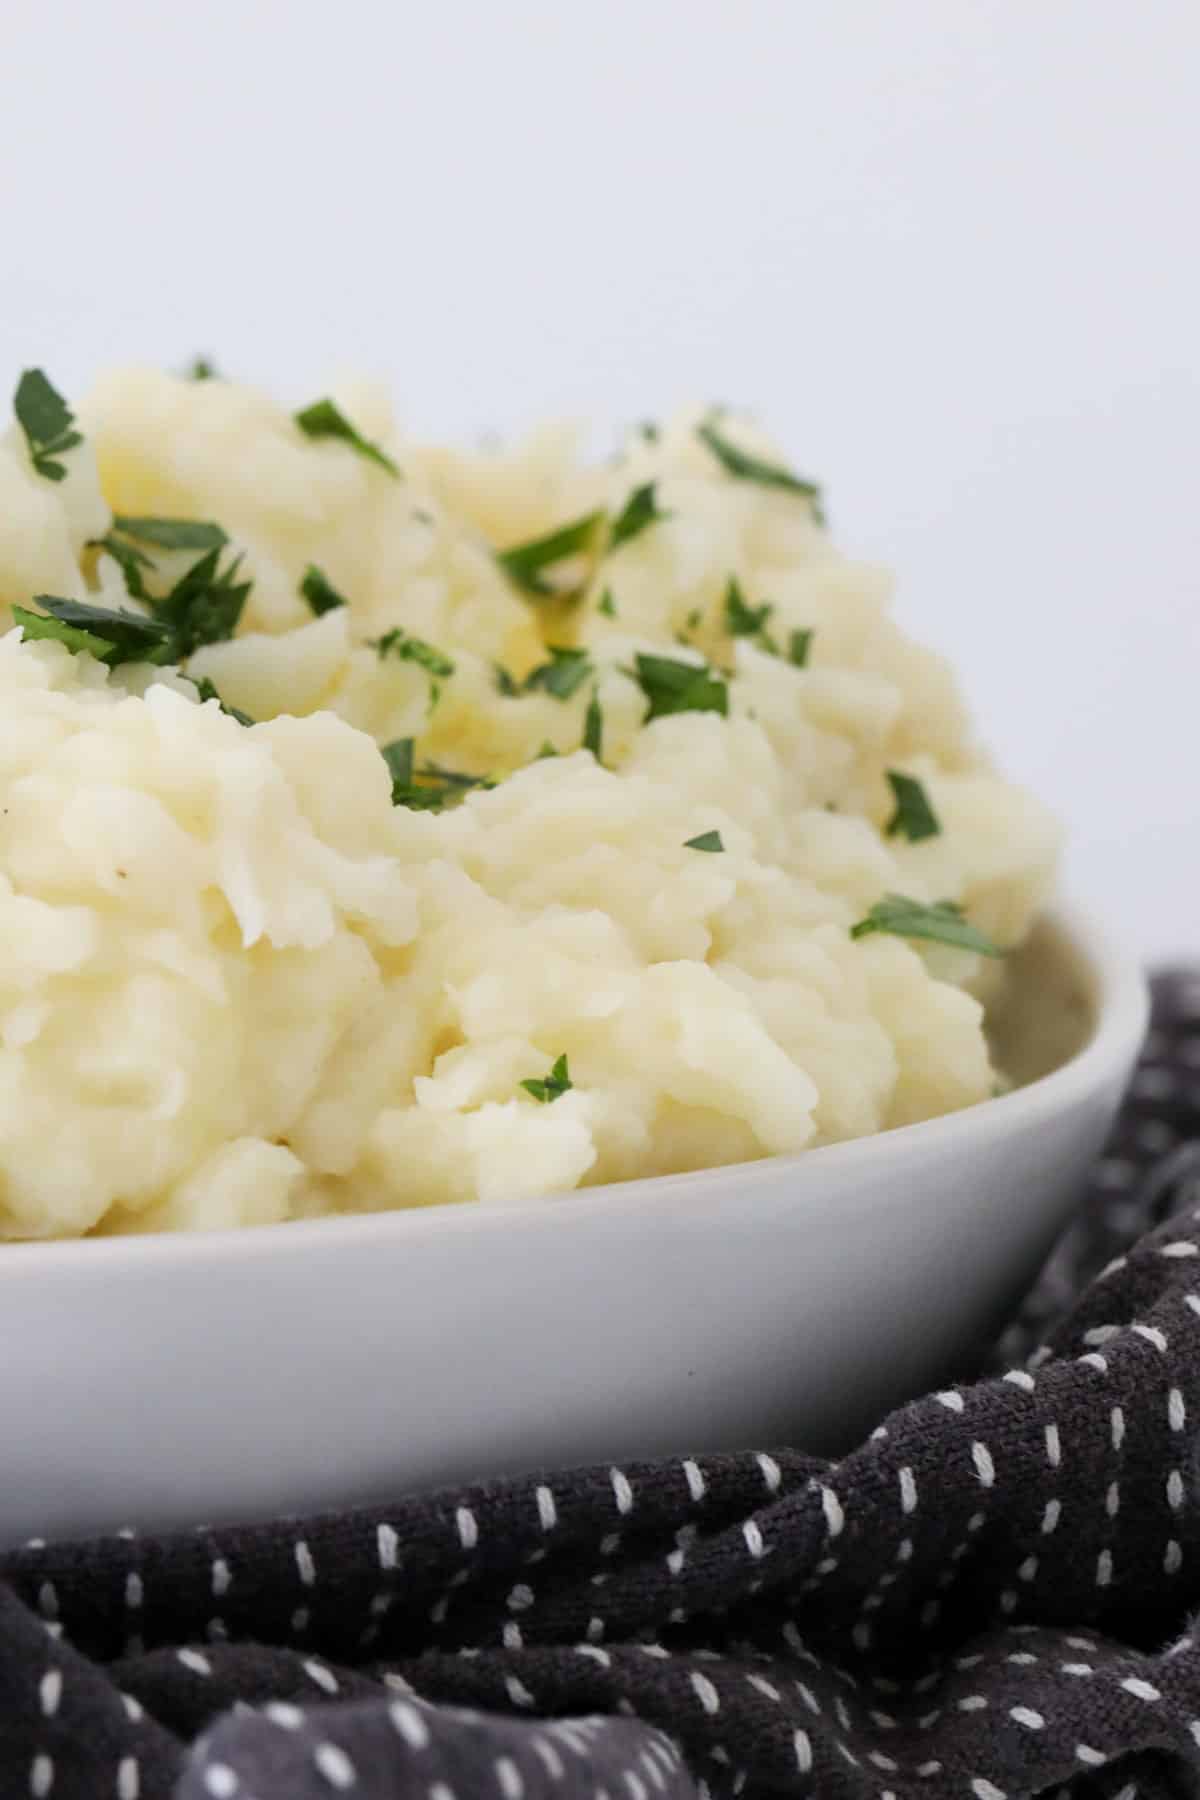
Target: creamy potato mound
244 978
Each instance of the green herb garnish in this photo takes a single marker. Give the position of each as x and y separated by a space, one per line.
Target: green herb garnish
400 644
325 420
744 467
799 645
427 789
207 691
747 621
504 681
48 423
914 817
526 562
319 591
399 758
708 840
649 431
171 534
640 510
593 726
111 636
678 687
547 749
563 675
130 559
201 368
121 543
943 923
204 606
607 605
556 1083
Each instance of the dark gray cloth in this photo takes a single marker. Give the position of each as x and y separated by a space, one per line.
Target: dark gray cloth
989 1599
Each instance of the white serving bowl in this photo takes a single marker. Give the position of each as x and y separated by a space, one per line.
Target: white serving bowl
153 1381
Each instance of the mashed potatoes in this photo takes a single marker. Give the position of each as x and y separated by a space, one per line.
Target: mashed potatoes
239 984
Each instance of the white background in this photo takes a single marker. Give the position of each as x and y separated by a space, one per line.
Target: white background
946 248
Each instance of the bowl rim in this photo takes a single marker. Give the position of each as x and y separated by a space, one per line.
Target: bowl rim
1120 997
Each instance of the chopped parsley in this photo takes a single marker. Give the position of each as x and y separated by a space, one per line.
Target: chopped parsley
399 758
914 817
427 789
525 563
504 681
319 591
552 1086
170 534
708 840
748 621
745 467
563 675
325 420
202 368
400 644
607 605
204 606
640 510
677 687
48 424
943 923
122 540
111 636
207 691
130 559
593 726
547 749
799 645
649 431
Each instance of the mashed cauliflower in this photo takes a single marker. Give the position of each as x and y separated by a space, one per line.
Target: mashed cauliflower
591 915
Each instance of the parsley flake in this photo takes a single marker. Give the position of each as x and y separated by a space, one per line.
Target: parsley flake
207 691
799 645
593 726
708 840
943 923
399 758
525 563
563 675
319 591
400 644
122 542
204 606
427 789
129 559
677 687
745 467
48 424
202 368
748 621
552 1086
504 681
323 419
914 817
111 636
607 605
171 534
640 510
